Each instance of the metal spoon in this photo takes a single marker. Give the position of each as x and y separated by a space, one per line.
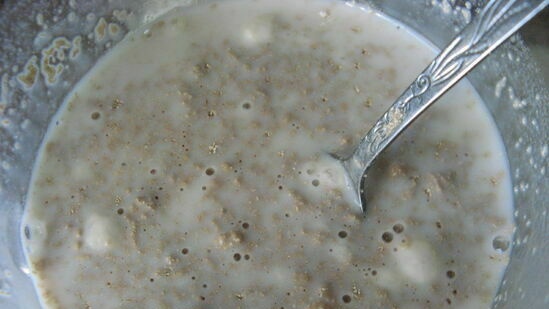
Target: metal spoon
498 20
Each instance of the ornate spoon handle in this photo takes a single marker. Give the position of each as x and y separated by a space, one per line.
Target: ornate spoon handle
496 22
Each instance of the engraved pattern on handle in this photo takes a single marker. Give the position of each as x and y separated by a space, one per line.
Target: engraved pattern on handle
497 21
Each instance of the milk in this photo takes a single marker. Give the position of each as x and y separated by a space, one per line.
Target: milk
191 169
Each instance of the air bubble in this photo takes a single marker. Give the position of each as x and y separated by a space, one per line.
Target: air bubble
387 237
500 244
398 228
346 298
27 232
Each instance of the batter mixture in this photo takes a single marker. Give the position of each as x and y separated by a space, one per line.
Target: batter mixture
190 169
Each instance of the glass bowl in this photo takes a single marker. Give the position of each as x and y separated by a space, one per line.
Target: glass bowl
511 82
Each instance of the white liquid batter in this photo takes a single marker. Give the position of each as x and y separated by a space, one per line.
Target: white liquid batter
189 169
